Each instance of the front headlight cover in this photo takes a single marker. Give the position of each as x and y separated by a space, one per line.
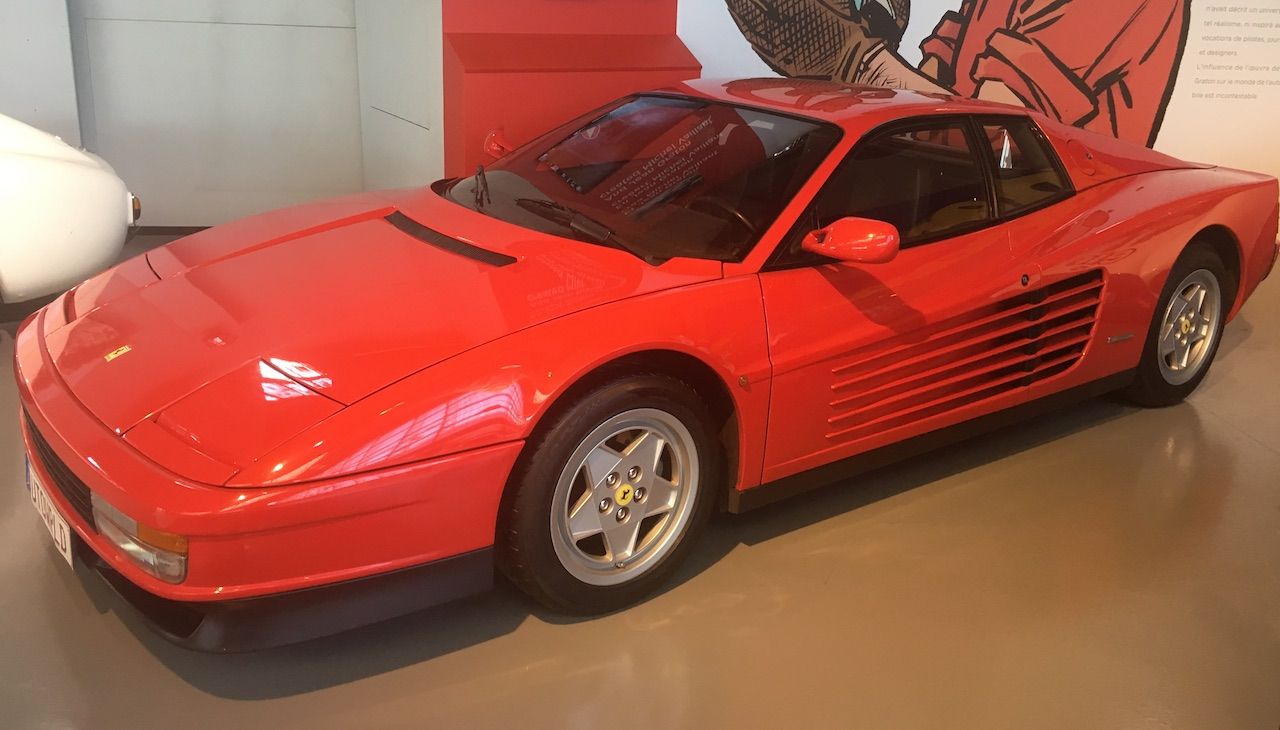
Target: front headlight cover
161 554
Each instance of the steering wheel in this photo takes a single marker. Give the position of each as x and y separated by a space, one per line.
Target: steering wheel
718 205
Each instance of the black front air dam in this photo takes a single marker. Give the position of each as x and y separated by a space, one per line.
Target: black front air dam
250 624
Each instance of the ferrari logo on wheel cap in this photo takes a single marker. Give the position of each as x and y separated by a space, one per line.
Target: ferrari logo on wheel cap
624 495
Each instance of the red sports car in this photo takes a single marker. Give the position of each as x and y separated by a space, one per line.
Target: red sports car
705 297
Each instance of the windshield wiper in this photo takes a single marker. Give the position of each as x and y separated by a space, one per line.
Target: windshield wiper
578 222
671 192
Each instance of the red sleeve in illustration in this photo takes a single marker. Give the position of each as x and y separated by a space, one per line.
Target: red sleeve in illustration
1105 65
942 43
1036 75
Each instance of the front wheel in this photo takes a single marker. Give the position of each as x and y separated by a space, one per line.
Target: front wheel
1185 330
611 495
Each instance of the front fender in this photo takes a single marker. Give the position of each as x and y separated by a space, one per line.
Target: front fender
498 392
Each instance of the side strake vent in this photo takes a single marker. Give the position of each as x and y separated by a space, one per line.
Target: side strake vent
965 360
453 245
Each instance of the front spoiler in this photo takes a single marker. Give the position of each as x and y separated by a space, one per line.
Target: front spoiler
249 624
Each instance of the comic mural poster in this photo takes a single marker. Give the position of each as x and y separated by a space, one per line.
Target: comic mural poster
1105 65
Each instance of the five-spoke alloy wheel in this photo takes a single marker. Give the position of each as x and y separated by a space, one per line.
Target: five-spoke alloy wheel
624 496
1186 329
610 494
1190 327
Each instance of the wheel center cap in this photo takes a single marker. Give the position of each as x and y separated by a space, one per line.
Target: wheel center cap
1186 326
624 494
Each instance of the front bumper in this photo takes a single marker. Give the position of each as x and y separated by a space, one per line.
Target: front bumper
254 550
251 624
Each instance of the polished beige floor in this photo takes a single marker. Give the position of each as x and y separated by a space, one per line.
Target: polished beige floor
1105 567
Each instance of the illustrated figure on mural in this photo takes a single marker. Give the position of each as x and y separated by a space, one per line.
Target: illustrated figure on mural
1104 65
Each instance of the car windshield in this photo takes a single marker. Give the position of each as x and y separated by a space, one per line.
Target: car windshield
656 176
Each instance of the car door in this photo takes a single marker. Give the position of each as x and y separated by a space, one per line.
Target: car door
865 355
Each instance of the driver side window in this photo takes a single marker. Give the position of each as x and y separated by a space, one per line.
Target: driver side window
925 179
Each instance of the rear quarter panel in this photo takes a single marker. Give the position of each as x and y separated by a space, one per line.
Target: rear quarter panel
1134 228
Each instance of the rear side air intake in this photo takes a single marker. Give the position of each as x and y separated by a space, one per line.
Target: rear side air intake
966 360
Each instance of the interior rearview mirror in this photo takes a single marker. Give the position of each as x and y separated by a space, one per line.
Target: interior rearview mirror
859 240
496 144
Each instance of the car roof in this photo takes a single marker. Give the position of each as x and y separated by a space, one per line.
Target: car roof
850 106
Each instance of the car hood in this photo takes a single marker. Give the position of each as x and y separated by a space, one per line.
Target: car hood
329 302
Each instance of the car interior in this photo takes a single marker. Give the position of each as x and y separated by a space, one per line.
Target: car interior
927 182
924 182
1025 174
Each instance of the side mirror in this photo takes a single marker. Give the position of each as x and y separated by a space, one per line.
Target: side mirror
496 144
859 240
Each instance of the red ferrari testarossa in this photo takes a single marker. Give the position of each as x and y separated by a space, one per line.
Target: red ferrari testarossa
704 297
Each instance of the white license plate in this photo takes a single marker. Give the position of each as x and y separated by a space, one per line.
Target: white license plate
48 511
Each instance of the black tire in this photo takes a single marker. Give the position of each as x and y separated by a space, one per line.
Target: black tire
526 553
1150 387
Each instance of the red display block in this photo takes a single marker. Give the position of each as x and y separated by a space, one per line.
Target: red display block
539 61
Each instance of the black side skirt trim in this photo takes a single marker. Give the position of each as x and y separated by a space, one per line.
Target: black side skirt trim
885 455
250 624
452 245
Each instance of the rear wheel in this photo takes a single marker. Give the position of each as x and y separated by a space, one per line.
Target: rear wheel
611 496
1186 329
